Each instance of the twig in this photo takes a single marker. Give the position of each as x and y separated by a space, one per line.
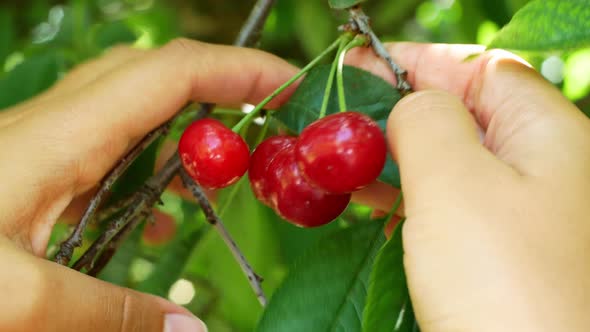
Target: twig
110 250
361 22
74 241
250 33
109 211
216 222
142 202
152 190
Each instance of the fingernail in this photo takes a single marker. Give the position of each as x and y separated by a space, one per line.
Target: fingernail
183 323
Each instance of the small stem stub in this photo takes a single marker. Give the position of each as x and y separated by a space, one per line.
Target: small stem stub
360 21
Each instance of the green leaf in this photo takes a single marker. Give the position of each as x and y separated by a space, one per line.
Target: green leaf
117 270
388 305
344 4
174 259
547 25
314 37
29 78
137 173
326 288
365 93
113 33
7 33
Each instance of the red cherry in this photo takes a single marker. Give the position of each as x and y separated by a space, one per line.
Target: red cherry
259 161
295 200
342 152
212 154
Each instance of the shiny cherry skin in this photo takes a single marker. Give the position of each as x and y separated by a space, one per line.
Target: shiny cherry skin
341 152
213 155
295 200
261 158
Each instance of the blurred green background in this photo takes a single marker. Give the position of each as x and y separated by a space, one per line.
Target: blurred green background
40 40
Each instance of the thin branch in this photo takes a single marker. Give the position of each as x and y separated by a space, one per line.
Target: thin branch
150 194
361 22
110 211
216 222
251 30
110 250
66 251
142 203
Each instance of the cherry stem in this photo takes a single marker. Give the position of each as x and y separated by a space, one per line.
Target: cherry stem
330 82
234 191
248 118
263 131
396 205
359 40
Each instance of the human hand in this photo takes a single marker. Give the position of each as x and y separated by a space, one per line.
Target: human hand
497 234
59 145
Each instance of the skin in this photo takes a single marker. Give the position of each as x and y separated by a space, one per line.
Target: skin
496 234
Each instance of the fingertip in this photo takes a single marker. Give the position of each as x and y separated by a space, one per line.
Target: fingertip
429 113
183 323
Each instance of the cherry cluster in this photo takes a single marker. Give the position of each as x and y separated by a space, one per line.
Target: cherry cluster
307 180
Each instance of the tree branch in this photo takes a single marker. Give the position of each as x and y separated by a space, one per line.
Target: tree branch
360 21
216 222
150 193
252 29
66 251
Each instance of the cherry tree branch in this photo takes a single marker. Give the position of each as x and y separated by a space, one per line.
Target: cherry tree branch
252 29
67 248
361 22
143 200
216 222
249 35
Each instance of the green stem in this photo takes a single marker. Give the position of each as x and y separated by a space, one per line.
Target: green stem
236 187
230 197
263 131
330 82
395 207
248 118
359 40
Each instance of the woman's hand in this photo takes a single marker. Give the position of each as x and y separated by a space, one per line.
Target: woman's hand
497 236
59 145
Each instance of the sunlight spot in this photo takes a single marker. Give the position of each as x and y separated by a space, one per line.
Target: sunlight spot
182 292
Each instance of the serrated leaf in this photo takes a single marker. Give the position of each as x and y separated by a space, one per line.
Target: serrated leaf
547 25
344 4
326 288
28 79
365 93
388 305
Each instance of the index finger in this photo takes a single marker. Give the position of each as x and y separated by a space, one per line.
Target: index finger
490 85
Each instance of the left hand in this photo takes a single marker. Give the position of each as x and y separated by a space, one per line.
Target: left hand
59 145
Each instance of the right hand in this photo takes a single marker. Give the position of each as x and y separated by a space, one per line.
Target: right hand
497 236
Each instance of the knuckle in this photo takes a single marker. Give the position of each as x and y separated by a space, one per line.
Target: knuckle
182 47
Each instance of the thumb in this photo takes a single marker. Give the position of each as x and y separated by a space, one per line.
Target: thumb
45 296
435 141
